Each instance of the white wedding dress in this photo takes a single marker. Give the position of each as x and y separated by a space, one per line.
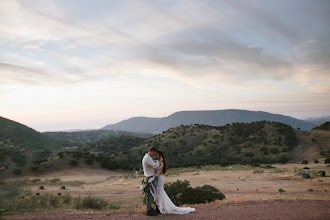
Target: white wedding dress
164 203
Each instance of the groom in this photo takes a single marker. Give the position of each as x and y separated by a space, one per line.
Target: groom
149 169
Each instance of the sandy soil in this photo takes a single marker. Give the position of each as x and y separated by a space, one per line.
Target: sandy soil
247 210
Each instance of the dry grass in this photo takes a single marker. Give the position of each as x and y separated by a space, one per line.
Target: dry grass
239 183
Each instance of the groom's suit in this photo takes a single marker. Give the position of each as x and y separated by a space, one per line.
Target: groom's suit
149 169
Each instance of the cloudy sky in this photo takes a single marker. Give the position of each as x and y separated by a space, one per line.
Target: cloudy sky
68 64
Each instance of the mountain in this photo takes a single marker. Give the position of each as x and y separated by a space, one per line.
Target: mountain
212 118
318 121
88 136
21 135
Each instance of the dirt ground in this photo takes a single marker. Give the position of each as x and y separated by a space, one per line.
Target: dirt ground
281 210
251 193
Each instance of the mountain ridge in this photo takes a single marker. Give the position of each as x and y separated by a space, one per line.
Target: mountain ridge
207 117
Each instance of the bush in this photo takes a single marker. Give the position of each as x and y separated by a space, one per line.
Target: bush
310 190
74 163
304 162
18 171
60 154
91 202
181 192
67 198
274 150
89 161
281 190
327 160
249 154
316 161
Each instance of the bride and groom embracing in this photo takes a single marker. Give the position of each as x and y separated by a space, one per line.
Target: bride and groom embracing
154 170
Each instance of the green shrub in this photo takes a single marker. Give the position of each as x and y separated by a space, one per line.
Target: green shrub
304 162
55 180
91 202
327 160
274 150
74 163
310 190
316 161
67 198
60 154
181 192
281 190
18 171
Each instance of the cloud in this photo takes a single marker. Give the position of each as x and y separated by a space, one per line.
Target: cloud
202 43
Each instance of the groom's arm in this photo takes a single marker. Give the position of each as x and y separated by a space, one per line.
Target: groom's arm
152 163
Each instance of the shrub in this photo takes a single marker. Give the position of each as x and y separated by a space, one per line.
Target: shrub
89 161
60 154
67 198
310 190
281 190
327 160
249 154
74 163
18 171
304 162
91 202
181 192
55 180
316 161
274 150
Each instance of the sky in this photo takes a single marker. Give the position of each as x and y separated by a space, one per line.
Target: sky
83 64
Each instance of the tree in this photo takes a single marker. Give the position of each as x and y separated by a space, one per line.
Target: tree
304 162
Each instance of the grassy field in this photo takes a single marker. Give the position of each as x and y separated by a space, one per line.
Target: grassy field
122 189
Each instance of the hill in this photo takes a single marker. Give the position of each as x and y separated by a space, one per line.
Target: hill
212 118
318 121
89 136
239 143
325 126
17 134
195 145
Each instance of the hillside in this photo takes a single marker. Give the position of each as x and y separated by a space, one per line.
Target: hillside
17 134
325 126
89 136
239 143
212 118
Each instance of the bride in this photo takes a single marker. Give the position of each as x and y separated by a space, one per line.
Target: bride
164 203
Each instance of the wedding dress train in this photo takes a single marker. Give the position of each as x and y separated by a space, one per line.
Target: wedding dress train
164 203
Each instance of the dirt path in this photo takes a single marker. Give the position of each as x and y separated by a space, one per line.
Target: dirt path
244 211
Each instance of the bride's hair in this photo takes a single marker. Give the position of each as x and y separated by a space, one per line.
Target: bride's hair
164 161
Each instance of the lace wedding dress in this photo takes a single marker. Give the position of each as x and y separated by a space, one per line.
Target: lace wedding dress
164 203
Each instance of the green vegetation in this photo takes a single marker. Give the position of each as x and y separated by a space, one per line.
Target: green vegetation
14 133
304 162
180 192
324 126
90 202
240 143
281 190
83 137
14 199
